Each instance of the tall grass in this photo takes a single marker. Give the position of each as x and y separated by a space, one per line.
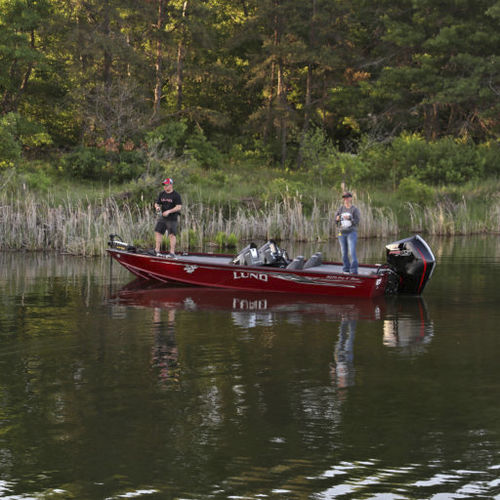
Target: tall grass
82 227
450 219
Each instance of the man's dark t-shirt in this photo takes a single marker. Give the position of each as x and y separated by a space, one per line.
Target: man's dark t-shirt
167 201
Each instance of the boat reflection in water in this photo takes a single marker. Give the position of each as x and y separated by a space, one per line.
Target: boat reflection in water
407 328
406 325
142 293
248 308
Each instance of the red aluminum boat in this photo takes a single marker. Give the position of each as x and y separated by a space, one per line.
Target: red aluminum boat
410 264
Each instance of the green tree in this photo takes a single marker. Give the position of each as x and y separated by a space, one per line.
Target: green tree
443 76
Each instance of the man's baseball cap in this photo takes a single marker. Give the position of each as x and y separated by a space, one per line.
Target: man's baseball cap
347 195
168 180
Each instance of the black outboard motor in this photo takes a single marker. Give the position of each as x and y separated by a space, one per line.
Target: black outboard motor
413 261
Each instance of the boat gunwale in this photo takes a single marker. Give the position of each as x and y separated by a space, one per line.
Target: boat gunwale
316 270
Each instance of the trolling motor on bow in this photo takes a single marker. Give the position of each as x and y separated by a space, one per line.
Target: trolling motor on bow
413 262
116 242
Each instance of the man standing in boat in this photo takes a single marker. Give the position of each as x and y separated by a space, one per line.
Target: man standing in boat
168 205
347 218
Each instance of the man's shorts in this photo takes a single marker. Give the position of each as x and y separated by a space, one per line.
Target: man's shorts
163 225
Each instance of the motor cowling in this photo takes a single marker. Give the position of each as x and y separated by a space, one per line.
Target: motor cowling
413 261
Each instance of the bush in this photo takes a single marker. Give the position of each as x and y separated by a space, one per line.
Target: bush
127 165
354 169
205 153
165 141
317 150
10 149
446 161
18 133
412 190
98 164
490 153
85 163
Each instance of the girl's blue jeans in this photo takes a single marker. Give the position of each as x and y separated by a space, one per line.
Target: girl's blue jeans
348 247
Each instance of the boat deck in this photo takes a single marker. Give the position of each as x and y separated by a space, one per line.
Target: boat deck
326 268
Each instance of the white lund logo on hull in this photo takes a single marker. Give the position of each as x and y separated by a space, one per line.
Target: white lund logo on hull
241 275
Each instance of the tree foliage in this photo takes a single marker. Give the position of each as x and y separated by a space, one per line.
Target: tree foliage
265 74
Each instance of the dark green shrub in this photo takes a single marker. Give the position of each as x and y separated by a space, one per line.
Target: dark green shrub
202 150
490 153
413 190
98 164
85 163
166 139
129 165
10 149
17 133
446 161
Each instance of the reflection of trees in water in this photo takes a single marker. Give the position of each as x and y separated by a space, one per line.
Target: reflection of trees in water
64 276
165 353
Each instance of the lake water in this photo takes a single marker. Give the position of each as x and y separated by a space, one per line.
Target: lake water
110 390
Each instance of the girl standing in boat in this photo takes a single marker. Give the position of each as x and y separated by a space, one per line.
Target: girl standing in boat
347 218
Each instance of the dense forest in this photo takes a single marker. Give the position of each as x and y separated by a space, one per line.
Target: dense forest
262 110
282 77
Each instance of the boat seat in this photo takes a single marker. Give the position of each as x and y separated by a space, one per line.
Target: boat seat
297 263
249 256
314 260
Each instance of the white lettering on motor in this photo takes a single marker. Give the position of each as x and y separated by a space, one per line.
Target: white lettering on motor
242 275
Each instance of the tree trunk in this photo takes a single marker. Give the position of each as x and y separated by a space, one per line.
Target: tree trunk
283 113
14 99
245 8
180 59
158 62
108 60
307 114
270 99
308 96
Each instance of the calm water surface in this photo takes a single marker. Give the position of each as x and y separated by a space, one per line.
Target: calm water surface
112 390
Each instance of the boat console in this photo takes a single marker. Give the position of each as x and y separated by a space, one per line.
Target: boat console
268 254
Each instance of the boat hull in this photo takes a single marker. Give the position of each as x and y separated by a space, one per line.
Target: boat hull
212 270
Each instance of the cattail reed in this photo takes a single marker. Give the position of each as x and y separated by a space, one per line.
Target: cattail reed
82 227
